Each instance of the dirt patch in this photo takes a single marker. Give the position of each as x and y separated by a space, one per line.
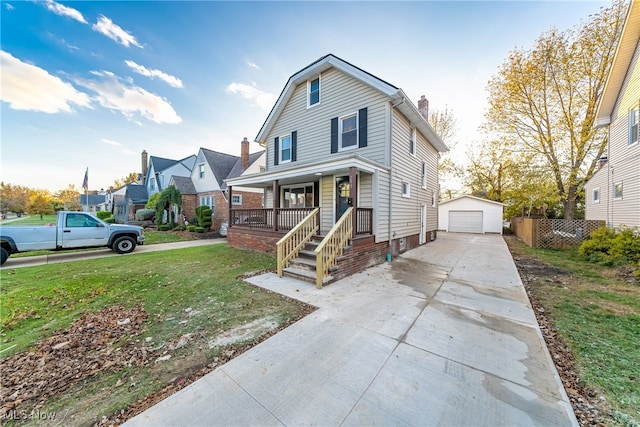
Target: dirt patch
589 407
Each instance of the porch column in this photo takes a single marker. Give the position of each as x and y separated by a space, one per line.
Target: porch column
229 214
353 182
276 203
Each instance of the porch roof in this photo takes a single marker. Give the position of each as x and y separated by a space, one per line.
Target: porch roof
308 172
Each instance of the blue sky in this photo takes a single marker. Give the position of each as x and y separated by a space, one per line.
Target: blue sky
91 84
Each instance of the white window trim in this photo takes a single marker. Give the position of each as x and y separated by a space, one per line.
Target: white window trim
595 200
424 175
280 150
309 105
406 194
614 190
434 199
413 148
239 202
635 112
201 174
340 120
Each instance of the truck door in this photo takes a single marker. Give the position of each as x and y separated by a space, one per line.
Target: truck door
82 230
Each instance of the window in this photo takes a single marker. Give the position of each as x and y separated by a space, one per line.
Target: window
424 175
596 195
434 199
285 149
297 197
633 126
406 189
206 201
236 199
152 184
201 171
412 143
313 92
349 132
617 190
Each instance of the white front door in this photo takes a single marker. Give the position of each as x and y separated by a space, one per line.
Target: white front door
423 224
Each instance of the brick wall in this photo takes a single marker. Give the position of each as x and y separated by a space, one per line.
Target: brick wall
257 240
364 253
189 204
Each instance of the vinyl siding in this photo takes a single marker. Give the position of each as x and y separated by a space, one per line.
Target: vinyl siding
408 168
209 182
341 95
624 159
597 211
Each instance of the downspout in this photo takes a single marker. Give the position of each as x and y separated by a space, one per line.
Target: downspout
401 101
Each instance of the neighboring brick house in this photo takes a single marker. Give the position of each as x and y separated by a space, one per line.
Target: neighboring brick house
189 196
339 137
613 193
209 176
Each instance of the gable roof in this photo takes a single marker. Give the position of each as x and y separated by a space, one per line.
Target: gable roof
137 193
237 168
220 163
184 184
93 199
395 94
466 196
621 62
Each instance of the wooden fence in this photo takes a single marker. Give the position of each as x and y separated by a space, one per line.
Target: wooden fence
553 233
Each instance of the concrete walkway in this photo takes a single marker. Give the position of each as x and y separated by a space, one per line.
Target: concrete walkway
443 335
56 258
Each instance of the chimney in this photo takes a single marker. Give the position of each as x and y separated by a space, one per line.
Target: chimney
602 161
244 154
423 107
145 163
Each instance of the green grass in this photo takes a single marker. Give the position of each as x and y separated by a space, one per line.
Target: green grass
597 312
38 301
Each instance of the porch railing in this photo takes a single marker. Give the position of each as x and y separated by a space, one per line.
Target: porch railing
286 218
364 221
332 245
295 240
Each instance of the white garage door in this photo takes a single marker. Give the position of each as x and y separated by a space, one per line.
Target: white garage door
465 221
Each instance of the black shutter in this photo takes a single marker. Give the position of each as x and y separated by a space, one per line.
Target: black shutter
334 135
316 194
276 151
294 145
362 128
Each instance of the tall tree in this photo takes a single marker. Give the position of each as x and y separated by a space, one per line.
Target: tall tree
445 124
40 203
129 179
542 102
69 198
13 198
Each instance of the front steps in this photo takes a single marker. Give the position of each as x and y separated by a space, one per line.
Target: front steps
304 266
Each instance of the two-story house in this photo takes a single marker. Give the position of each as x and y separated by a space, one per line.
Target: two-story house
353 153
209 187
613 193
157 171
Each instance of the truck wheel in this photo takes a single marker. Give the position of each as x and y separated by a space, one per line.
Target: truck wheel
4 255
124 245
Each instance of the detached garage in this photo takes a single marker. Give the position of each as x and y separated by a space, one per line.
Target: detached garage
469 214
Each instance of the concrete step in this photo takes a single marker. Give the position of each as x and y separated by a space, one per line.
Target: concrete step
304 263
305 275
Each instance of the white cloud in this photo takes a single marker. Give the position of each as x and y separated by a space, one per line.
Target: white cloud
115 94
114 32
262 99
253 65
63 10
9 6
167 78
28 87
110 142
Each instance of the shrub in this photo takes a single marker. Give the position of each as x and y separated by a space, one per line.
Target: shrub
198 229
103 215
145 214
204 216
164 227
191 227
179 228
611 247
110 220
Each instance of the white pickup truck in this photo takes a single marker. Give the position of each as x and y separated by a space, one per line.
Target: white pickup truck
73 230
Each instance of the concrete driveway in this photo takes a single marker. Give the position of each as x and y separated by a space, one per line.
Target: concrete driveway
444 335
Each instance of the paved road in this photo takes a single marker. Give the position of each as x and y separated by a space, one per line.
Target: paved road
443 335
53 258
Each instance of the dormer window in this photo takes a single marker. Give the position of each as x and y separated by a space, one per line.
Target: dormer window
313 92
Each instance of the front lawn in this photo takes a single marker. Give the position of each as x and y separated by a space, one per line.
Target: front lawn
160 317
